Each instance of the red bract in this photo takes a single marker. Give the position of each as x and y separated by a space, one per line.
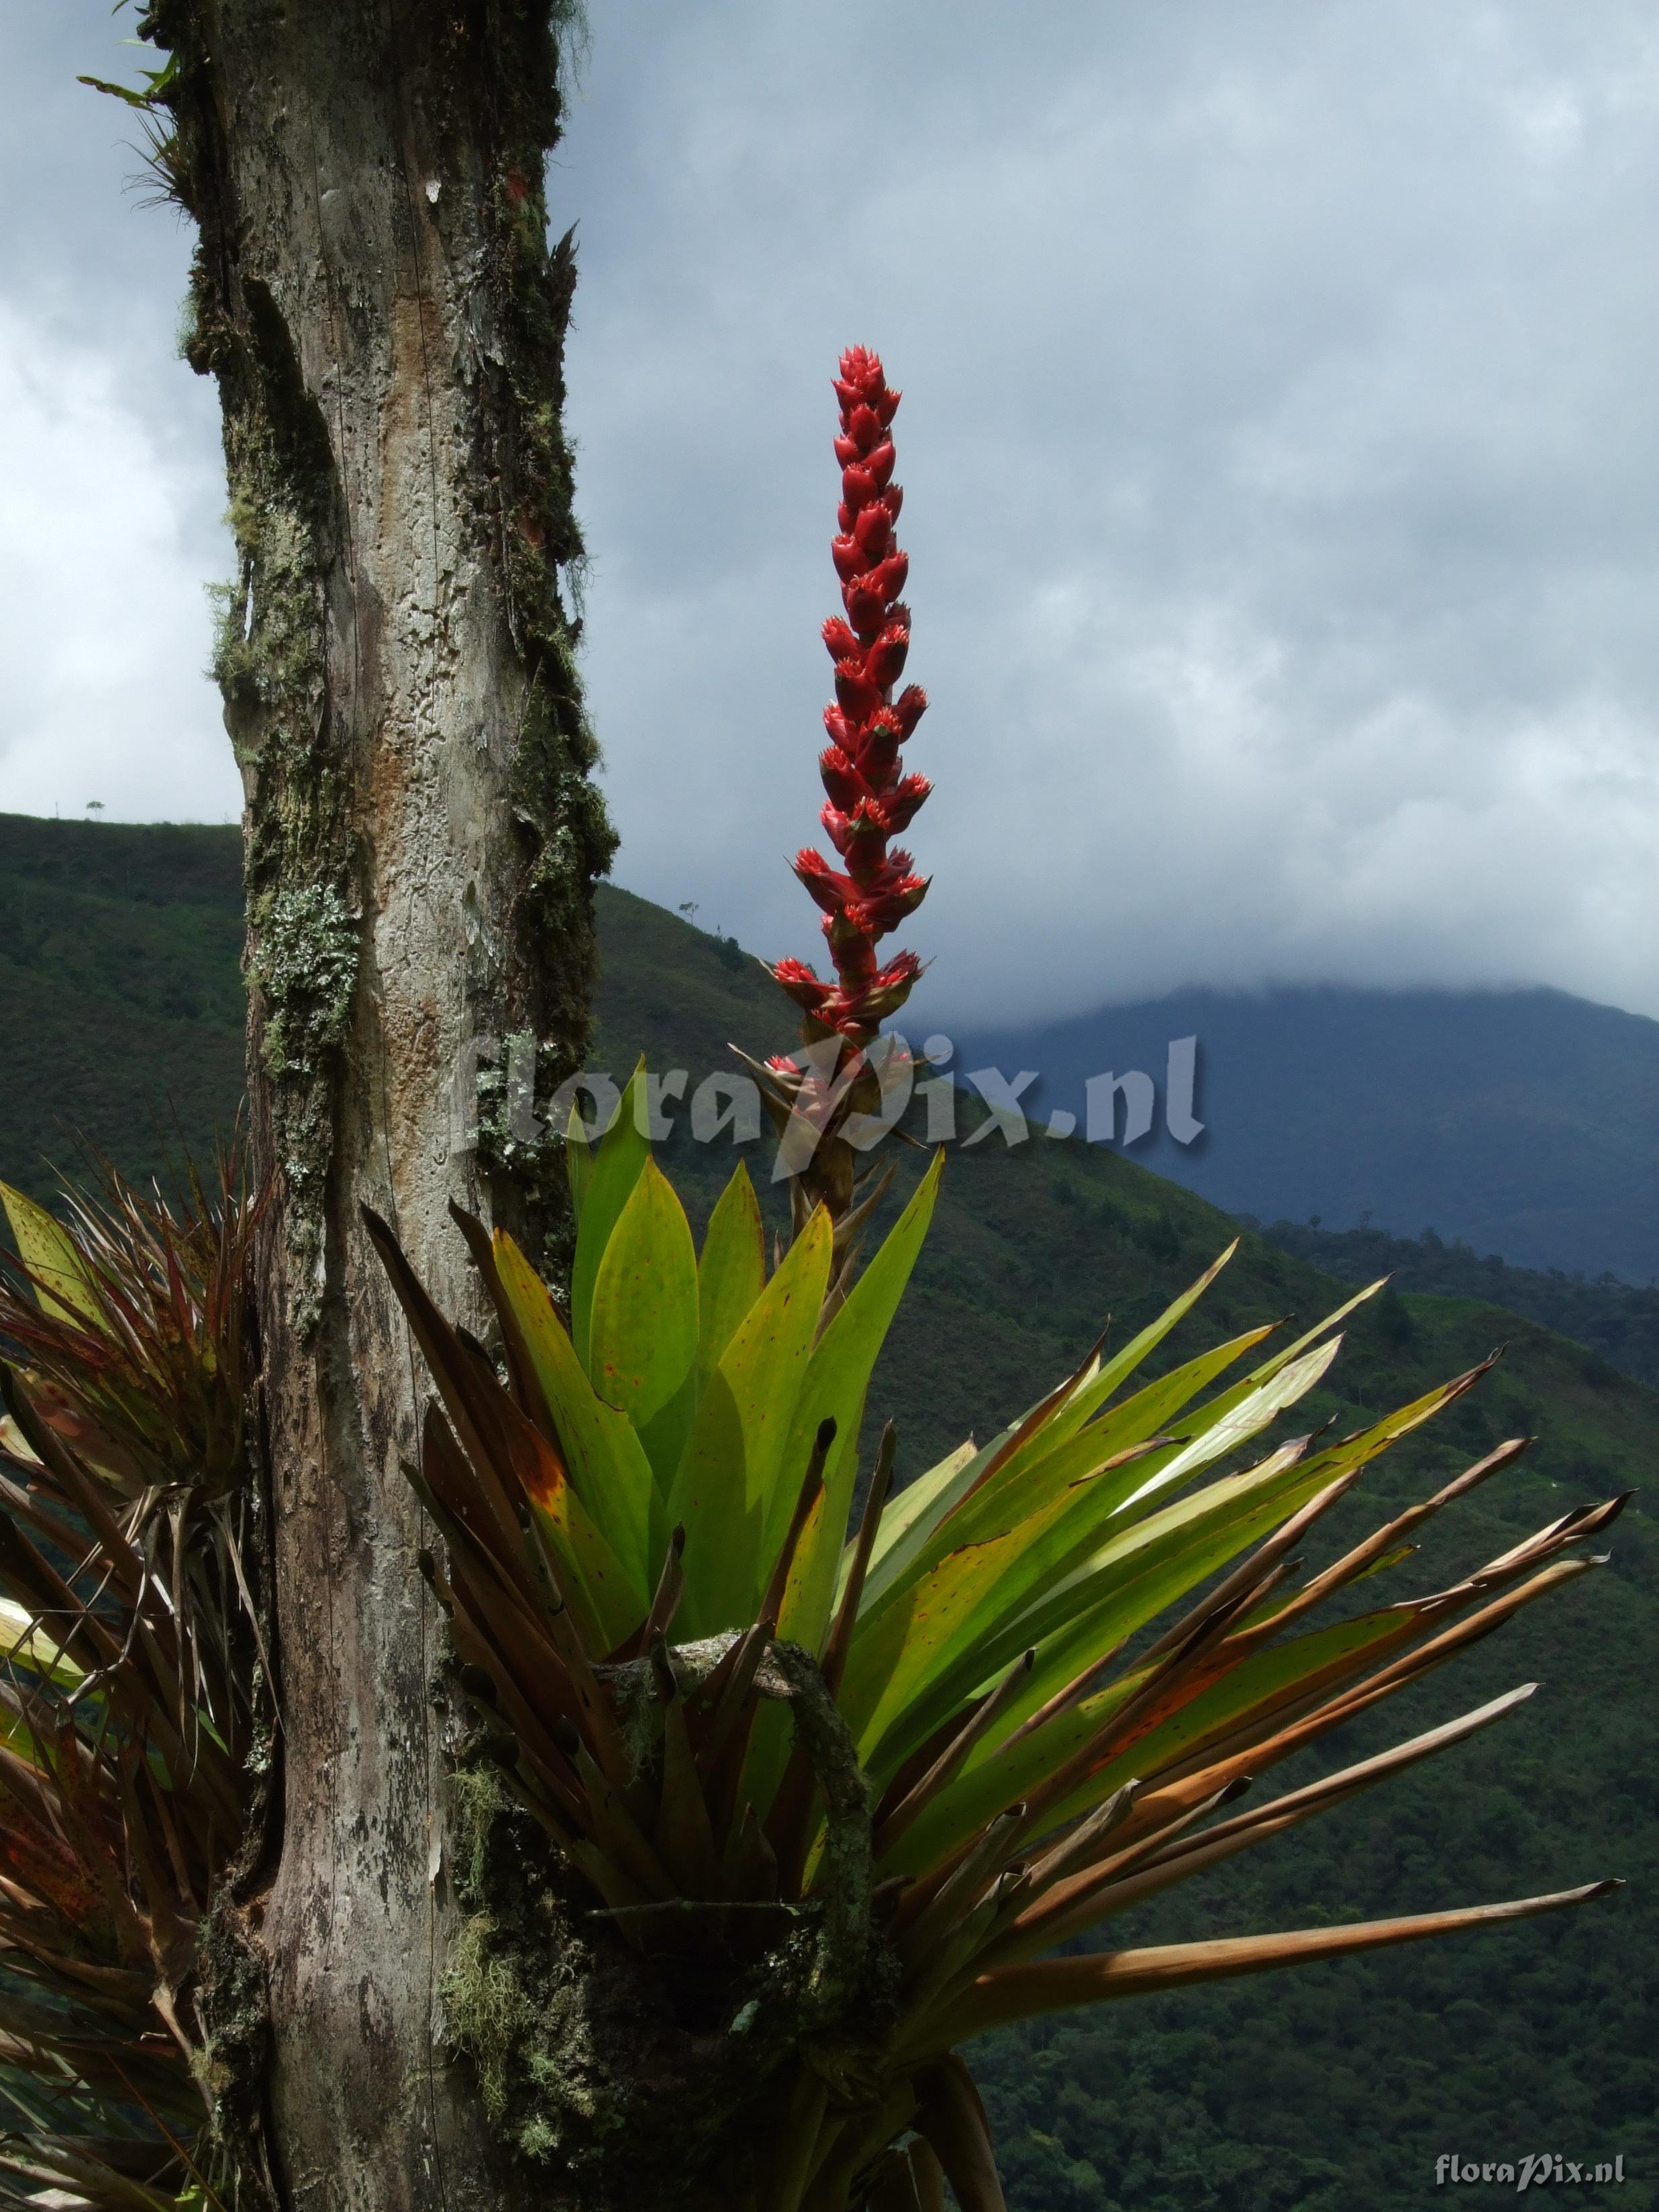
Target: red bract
871 800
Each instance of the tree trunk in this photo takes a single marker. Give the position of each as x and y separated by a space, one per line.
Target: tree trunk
375 293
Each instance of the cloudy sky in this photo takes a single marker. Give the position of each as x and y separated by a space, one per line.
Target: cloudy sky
1278 440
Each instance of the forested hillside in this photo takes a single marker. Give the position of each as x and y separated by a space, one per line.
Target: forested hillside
1619 1320
1338 2087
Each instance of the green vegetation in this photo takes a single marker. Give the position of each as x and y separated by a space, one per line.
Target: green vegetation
1339 2086
1619 1320
120 993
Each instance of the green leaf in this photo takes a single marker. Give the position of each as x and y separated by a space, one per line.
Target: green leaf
921 1500
609 1469
24 1643
643 1328
158 82
1014 1772
1085 1401
1042 1527
578 1164
1152 1562
1158 1557
734 1458
608 1604
732 1271
618 1162
915 1517
896 1655
1257 1686
836 1383
45 1248
1027 1483
1100 1627
1231 1420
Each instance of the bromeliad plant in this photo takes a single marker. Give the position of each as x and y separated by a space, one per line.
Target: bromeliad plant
842 1769
852 1772
132 1711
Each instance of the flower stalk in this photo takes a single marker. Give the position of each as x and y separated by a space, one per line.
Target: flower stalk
869 800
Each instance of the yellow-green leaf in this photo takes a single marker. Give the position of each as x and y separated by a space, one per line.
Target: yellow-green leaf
617 1162
734 1458
24 1643
913 1518
836 1383
1015 1772
731 1273
605 1603
578 1162
608 1466
44 1248
642 1339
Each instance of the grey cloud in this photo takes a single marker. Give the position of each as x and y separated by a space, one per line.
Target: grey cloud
1280 463
1279 452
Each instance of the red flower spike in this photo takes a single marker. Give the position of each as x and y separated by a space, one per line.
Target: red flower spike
841 780
876 759
859 697
888 577
795 977
900 806
885 662
866 606
869 800
873 529
831 890
908 708
858 487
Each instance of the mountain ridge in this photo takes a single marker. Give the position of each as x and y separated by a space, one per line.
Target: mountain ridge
1525 1122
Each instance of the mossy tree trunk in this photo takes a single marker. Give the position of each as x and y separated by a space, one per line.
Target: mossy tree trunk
375 296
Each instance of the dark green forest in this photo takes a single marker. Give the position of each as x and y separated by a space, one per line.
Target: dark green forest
1619 1320
119 1014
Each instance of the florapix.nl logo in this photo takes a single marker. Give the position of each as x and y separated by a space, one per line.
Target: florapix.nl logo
497 1087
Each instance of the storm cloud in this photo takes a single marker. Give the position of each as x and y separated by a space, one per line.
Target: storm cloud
1277 439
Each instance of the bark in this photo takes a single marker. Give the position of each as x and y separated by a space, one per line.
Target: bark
376 296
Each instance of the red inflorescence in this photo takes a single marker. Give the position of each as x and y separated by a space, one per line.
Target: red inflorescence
869 801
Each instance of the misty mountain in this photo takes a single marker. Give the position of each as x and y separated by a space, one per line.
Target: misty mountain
1525 1123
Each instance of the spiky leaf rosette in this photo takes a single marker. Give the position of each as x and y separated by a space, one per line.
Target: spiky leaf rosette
857 1774
130 1706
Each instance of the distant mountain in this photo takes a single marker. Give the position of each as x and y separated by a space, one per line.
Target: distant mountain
1525 1122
